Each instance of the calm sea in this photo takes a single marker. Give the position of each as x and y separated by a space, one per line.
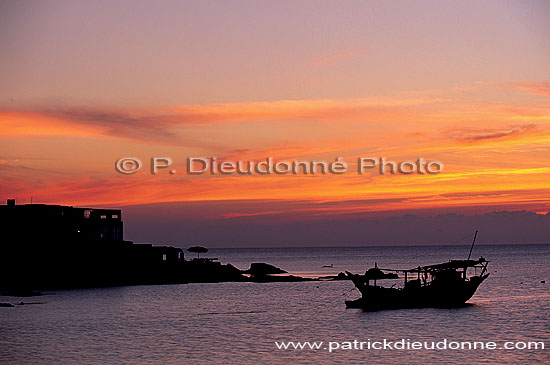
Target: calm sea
240 322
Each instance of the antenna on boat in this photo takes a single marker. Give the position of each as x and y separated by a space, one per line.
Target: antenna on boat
471 248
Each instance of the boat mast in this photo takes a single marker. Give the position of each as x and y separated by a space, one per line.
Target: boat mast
471 248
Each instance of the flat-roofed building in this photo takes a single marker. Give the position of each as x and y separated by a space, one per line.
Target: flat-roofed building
60 223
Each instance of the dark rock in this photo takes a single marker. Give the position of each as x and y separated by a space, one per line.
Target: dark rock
340 276
260 268
208 271
279 279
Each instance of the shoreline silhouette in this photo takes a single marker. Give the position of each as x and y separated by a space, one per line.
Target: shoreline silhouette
63 247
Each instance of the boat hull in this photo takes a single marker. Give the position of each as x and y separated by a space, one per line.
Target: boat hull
435 295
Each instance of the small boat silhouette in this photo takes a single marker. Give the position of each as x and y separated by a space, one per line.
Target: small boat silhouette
440 285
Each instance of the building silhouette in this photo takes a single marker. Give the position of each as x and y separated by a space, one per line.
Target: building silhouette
55 246
58 247
62 222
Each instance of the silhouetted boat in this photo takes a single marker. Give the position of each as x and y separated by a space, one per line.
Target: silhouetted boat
441 285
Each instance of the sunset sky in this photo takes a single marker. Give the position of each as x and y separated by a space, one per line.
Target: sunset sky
85 83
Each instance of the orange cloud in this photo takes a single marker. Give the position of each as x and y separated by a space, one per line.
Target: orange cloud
480 134
495 153
160 123
39 124
537 88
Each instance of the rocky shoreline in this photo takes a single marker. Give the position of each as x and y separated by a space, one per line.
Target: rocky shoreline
198 270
